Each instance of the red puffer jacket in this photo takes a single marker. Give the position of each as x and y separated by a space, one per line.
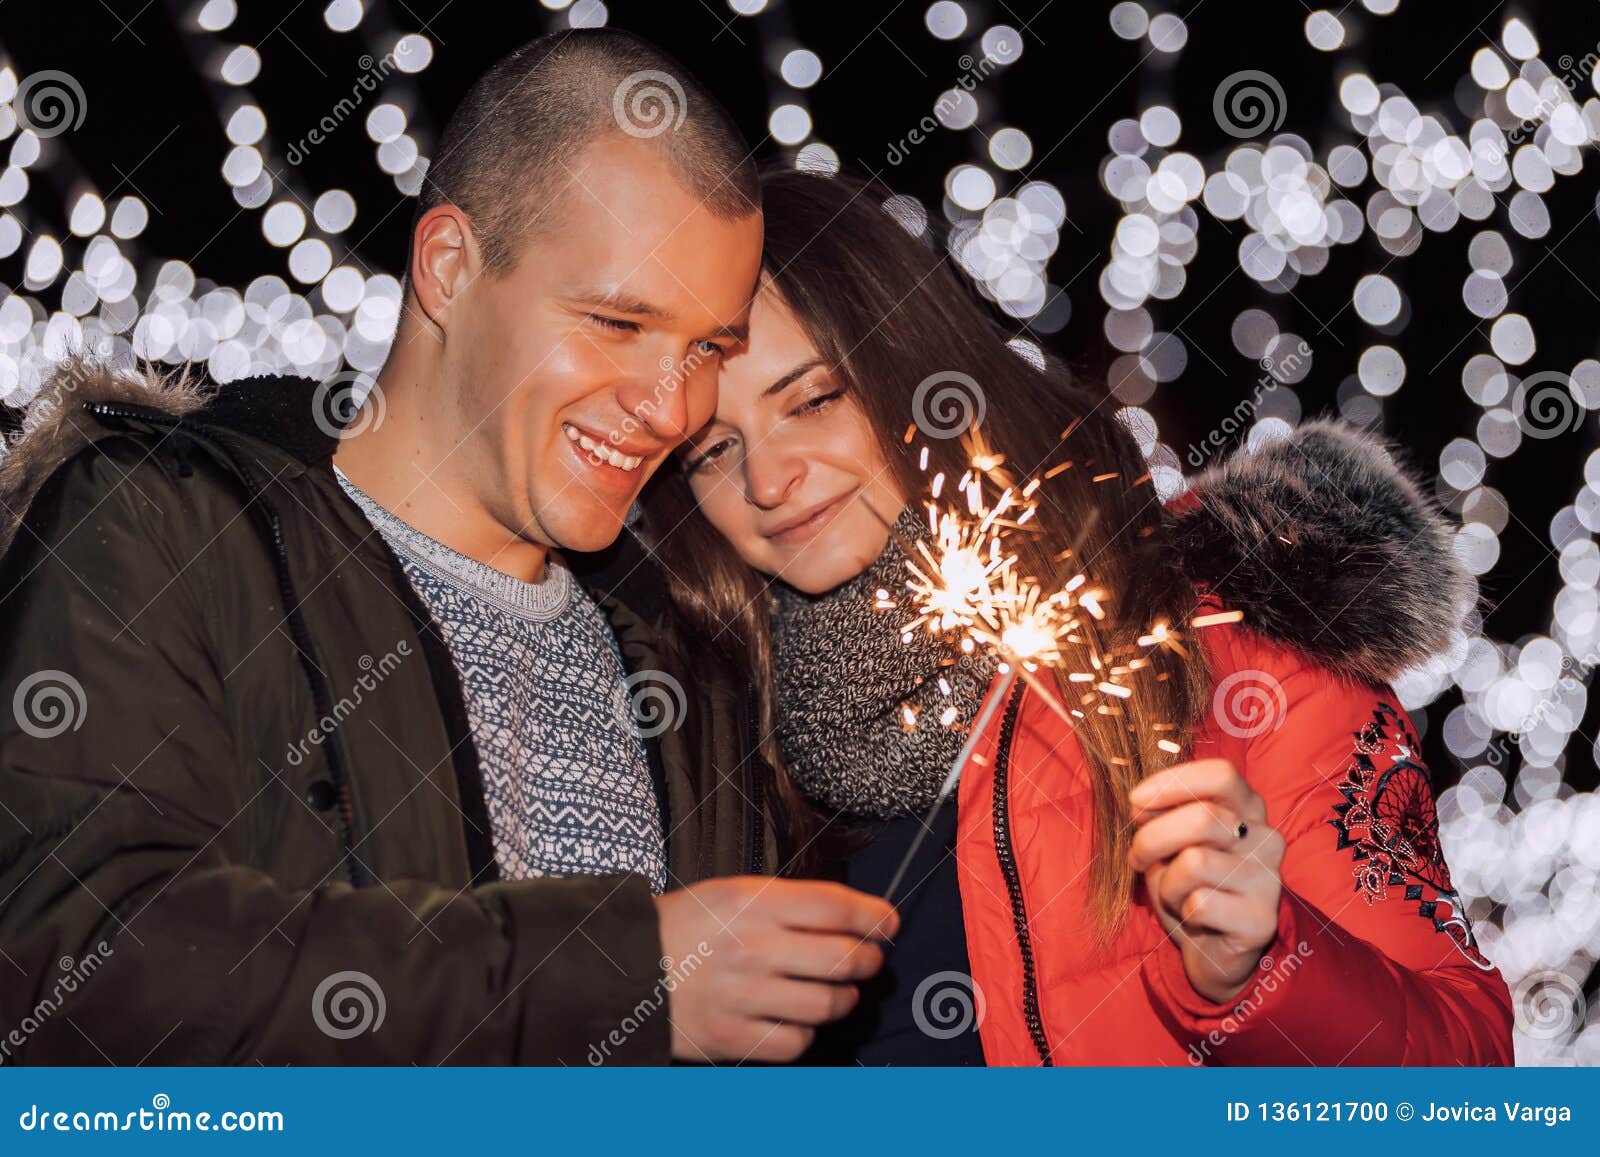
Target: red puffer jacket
1374 962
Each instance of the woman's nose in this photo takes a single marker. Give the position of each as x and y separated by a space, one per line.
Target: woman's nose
771 476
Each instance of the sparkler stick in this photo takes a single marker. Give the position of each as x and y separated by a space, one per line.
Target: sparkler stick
1037 686
951 780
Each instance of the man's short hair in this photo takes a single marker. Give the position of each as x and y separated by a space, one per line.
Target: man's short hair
507 151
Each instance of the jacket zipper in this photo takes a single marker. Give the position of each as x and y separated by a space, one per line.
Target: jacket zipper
321 695
755 785
1008 868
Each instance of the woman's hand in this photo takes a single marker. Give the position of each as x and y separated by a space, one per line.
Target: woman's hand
1214 890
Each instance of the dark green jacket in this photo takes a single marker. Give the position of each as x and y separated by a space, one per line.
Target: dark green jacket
236 774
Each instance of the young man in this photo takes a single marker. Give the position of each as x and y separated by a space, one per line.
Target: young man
315 748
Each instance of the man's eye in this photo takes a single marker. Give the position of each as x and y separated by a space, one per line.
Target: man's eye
615 323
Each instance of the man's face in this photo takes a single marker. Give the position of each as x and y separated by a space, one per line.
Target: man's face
586 363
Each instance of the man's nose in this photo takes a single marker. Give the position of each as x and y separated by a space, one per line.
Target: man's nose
661 402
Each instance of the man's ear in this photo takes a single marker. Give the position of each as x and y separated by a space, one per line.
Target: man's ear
444 260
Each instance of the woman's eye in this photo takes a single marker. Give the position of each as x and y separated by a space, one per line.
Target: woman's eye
708 455
817 404
709 349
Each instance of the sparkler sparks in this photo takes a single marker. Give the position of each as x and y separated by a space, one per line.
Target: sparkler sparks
966 581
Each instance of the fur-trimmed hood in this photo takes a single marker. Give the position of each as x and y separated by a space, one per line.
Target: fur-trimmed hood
1326 544
1319 538
53 426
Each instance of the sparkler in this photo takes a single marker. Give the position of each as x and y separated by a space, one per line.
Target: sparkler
950 781
966 582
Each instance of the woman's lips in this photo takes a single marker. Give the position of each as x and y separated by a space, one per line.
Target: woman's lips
810 525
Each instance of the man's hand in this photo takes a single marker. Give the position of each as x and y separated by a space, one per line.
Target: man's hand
1214 891
779 959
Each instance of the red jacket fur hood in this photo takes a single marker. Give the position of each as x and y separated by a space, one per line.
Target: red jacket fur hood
1345 576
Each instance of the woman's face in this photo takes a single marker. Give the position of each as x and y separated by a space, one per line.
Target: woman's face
788 470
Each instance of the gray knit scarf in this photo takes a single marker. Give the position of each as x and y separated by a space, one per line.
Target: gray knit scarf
843 679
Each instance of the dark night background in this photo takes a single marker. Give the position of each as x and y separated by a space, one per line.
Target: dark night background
155 128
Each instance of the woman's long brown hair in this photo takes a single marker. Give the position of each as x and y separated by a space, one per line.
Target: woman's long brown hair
887 313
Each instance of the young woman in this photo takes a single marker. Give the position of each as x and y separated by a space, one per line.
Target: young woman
1238 864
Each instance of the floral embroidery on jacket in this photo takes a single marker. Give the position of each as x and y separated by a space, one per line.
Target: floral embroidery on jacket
1389 820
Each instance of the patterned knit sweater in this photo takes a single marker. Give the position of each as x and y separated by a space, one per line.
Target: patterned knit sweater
565 774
